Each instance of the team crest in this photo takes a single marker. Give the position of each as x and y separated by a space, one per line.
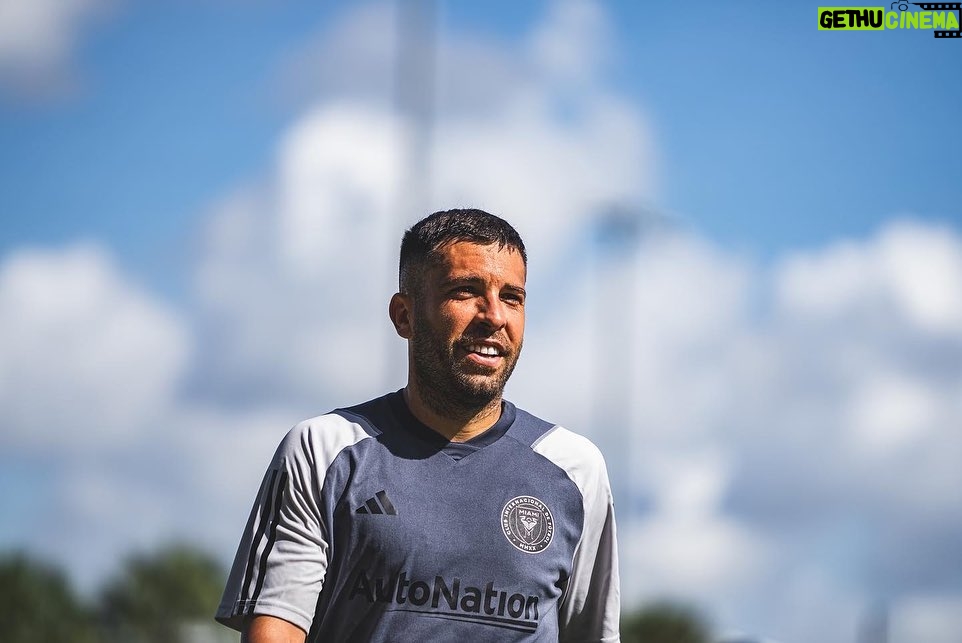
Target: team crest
527 524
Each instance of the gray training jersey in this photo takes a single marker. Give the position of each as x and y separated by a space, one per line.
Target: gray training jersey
369 526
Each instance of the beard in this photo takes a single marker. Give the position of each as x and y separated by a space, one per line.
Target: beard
443 383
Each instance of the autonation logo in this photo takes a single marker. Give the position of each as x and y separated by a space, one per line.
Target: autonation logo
450 599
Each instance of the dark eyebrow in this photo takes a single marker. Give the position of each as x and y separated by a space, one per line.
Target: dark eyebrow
458 281
475 279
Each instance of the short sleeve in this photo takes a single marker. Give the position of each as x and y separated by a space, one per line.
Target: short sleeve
591 607
283 554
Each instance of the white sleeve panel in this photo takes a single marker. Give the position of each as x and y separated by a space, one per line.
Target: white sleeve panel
282 559
591 607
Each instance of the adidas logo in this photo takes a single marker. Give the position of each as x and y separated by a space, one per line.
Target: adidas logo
379 504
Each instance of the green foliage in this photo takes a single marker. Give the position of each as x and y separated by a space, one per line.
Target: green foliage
664 623
37 604
156 595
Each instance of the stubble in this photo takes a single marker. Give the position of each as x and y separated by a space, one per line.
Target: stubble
447 389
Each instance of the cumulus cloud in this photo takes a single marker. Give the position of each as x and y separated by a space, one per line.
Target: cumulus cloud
784 446
287 299
572 44
929 618
781 436
90 366
84 354
298 252
352 58
37 39
768 440
911 276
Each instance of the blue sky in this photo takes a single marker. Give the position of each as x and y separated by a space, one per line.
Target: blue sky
198 200
770 134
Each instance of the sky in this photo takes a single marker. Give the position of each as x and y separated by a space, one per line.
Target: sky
745 278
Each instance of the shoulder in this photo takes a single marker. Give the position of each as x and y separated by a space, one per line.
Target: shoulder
577 456
563 442
320 439
554 441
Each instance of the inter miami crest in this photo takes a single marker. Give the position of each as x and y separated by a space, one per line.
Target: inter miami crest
527 524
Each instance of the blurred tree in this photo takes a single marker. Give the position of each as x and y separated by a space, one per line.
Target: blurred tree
37 604
158 597
664 622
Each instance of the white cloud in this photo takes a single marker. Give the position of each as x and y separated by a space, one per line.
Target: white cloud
350 58
929 618
911 273
516 161
708 559
924 267
330 217
90 367
782 437
37 39
770 419
685 546
84 355
293 289
786 434
337 177
572 44
889 413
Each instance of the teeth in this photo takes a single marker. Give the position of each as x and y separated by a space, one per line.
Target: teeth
484 350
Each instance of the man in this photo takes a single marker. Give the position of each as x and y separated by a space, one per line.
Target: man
440 512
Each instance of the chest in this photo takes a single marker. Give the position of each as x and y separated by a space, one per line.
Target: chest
502 516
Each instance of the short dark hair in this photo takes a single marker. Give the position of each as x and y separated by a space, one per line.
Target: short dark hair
420 244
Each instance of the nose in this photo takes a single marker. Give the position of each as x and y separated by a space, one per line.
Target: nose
492 312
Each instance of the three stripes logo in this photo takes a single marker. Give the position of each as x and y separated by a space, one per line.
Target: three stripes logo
379 504
264 521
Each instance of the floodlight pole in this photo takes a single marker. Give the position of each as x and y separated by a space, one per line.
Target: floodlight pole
414 93
415 96
617 234
617 241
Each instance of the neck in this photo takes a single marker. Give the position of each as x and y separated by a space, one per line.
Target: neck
456 425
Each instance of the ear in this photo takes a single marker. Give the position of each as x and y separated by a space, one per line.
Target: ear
401 314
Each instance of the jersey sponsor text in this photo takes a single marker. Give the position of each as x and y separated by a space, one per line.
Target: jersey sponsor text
441 598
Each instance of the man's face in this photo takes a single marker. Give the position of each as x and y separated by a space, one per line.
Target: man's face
468 325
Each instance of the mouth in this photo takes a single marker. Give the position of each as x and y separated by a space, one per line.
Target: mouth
484 353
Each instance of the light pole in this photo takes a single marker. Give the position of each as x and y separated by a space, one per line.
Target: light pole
617 235
414 92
